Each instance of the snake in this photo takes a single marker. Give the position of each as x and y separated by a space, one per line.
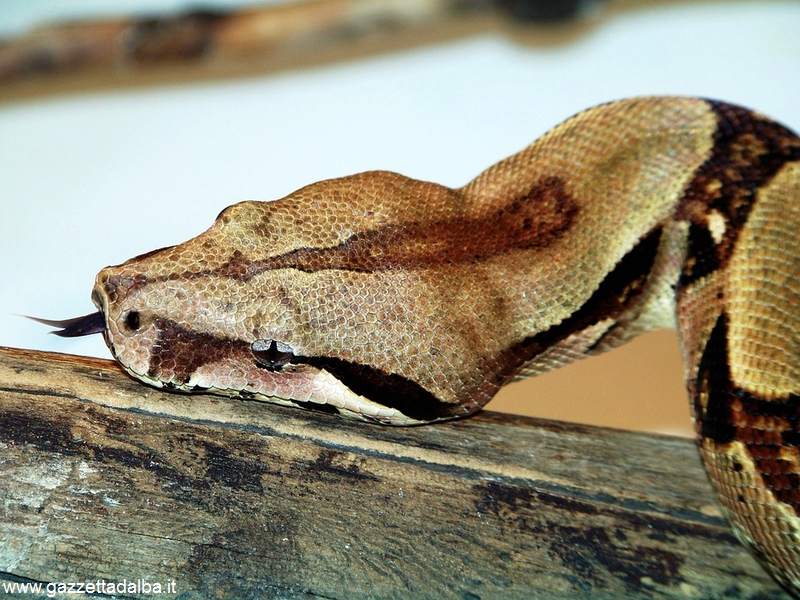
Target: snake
401 302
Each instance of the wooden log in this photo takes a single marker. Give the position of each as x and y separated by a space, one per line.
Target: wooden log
168 47
102 478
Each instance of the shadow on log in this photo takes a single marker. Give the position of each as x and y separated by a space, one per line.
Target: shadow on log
103 478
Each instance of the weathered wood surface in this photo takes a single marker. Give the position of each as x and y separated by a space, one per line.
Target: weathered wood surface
104 478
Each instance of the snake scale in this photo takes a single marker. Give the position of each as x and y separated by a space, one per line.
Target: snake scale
403 302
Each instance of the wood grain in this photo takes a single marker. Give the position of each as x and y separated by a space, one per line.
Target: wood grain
103 478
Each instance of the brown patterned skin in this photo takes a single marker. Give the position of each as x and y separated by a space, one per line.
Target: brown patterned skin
402 302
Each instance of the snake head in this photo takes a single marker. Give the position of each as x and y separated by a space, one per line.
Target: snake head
375 296
303 301
186 320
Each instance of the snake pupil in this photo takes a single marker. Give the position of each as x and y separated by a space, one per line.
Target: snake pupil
272 354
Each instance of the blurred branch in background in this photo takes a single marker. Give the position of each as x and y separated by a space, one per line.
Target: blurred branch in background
225 43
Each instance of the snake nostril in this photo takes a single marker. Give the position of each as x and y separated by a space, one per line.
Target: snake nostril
132 320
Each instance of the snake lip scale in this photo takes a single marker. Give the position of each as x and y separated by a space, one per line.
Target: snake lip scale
397 301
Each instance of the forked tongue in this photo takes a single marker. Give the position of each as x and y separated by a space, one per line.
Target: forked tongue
77 327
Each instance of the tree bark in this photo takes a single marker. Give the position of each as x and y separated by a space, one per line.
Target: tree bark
103 478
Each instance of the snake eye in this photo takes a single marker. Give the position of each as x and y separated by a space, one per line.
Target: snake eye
272 355
132 321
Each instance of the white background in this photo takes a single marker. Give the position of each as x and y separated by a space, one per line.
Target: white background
91 180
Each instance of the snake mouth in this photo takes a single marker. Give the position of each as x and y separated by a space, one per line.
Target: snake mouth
77 326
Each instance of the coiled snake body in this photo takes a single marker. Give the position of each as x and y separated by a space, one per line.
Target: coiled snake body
402 302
